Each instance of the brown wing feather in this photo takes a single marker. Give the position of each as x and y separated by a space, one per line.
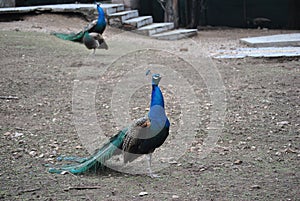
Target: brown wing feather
100 39
90 25
132 138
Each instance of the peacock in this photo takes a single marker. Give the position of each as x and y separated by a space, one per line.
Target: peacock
143 136
96 26
93 41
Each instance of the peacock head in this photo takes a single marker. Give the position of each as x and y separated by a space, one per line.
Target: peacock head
155 79
98 3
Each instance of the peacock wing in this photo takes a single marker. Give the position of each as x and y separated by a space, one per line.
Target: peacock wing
91 25
134 136
100 39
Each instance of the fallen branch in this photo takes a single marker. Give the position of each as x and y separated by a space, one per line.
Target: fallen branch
82 188
29 190
9 97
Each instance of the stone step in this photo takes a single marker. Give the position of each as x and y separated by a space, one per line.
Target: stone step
175 34
155 28
279 40
108 8
112 8
139 21
124 15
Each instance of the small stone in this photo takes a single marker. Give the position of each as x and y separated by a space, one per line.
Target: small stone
192 149
32 153
237 162
258 159
172 161
175 197
41 156
143 193
6 134
282 123
78 147
255 187
253 148
277 153
18 134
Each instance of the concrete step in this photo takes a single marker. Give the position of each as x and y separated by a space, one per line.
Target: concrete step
175 34
279 40
124 15
257 52
108 8
112 8
155 28
139 21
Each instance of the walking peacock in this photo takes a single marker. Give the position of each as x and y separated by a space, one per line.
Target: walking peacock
96 26
93 41
143 136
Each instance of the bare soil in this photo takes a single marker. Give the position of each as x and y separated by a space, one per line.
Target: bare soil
256 157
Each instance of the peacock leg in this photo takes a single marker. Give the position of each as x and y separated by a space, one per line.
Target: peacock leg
151 174
94 51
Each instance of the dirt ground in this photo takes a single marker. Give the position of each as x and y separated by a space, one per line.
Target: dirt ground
50 86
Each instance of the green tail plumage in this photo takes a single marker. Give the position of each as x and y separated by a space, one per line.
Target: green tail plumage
98 159
76 37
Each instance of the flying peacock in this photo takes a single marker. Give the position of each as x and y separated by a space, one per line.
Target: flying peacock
96 26
143 136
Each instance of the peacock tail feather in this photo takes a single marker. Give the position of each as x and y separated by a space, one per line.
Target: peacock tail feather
97 26
97 160
76 37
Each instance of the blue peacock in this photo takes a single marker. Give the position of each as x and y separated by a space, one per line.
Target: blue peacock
91 35
143 136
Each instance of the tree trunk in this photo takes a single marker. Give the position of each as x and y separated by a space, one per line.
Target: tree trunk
171 12
194 11
7 3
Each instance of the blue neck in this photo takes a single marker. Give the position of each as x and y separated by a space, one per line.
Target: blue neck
101 15
157 112
157 97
